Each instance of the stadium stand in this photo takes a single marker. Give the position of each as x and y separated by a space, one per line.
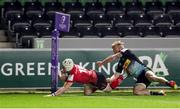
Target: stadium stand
25 20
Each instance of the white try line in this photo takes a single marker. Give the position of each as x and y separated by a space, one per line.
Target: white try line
89 108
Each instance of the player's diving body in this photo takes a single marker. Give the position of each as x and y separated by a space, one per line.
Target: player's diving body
130 65
91 79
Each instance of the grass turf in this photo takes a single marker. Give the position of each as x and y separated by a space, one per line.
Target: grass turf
97 100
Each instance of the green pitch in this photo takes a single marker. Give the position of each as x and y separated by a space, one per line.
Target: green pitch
97 100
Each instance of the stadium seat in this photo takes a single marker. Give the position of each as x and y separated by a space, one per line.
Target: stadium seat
51 8
176 19
171 32
12 10
85 21
33 10
24 33
20 25
1 25
75 9
71 34
163 20
94 10
163 23
168 26
142 23
175 30
154 8
134 8
114 9
173 8
149 32
87 32
43 27
127 31
103 24
108 32
26 41
124 25
124 20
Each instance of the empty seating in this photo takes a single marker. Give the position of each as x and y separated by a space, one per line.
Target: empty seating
163 23
114 9
109 32
92 19
71 34
85 21
173 8
20 25
12 10
26 40
75 9
154 8
134 9
42 27
102 25
87 32
23 29
33 10
143 23
51 8
125 27
94 10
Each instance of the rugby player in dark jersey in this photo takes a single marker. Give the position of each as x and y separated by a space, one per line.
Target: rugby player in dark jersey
130 65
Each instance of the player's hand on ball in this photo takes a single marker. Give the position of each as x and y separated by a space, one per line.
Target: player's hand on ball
99 63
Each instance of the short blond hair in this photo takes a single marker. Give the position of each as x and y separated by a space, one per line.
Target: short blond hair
117 43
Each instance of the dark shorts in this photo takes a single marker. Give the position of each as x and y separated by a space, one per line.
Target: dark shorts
101 81
142 78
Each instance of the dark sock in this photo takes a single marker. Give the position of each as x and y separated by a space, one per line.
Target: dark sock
156 93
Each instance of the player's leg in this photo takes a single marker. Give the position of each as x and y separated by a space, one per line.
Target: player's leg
140 89
152 77
141 85
89 89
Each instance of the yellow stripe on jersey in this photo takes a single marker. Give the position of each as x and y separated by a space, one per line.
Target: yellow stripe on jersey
126 64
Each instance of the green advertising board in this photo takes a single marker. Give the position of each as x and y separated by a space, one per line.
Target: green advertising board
31 68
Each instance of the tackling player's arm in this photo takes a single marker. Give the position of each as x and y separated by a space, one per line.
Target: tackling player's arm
114 82
109 59
117 79
117 75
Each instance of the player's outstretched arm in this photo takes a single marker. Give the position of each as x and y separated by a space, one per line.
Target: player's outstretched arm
108 59
60 91
66 86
